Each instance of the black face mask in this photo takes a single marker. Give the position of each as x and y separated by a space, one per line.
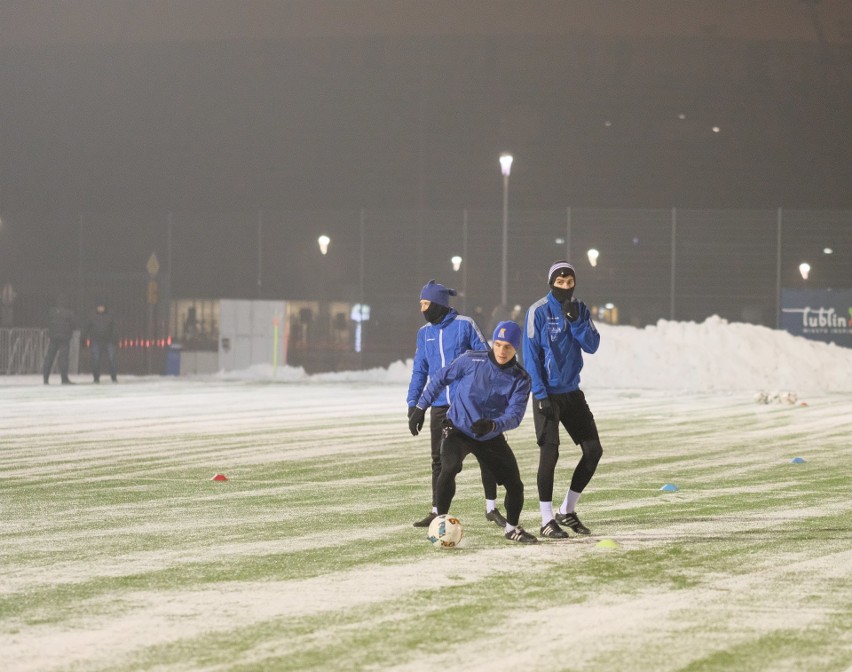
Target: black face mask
562 295
435 313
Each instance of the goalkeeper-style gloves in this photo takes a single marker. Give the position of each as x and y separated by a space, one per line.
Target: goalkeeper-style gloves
416 416
571 310
545 407
482 427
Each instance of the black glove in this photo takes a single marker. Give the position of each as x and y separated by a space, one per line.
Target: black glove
416 416
571 310
545 407
483 426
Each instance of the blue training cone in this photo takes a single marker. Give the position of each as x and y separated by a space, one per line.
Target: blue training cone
797 460
669 487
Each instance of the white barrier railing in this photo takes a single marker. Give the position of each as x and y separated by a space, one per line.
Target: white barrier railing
22 351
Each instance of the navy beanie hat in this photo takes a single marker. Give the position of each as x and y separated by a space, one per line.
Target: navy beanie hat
559 269
437 293
509 332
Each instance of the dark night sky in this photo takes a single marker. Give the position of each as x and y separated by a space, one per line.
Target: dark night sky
204 106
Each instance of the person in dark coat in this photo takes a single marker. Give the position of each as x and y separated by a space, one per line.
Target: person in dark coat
102 337
60 328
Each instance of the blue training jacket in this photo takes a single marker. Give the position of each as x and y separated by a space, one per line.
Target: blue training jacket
483 390
437 346
553 346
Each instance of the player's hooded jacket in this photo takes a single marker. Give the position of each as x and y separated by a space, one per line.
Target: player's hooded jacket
483 390
553 346
437 346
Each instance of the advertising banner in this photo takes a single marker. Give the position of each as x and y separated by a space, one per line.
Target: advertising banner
823 315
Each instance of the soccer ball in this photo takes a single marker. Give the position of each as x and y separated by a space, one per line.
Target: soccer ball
445 532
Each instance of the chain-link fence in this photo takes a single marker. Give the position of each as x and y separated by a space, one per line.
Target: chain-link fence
681 264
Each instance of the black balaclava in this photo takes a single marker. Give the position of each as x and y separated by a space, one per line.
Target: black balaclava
435 313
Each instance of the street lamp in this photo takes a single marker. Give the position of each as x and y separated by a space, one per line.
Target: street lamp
804 269
323 241
593 255
506 169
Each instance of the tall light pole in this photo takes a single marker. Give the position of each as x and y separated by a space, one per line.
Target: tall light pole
506 169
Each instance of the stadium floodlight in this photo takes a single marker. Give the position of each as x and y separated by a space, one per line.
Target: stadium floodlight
324 241
593 255
827 250
506 169
456 261
804 269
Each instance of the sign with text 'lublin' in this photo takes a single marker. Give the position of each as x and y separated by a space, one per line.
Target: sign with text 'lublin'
823 315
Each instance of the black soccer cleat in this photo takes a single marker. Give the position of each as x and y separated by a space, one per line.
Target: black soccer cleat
497 518
427 521
521 535
553 531
573 523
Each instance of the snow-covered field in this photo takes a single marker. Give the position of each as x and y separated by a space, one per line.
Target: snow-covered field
119 553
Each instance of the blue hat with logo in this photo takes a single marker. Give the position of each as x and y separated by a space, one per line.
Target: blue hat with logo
509 332
437 293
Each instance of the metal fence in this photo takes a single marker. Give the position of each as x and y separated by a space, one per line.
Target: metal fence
673 263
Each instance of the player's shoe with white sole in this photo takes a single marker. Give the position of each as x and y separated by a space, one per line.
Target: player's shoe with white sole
553 531
573 523
519 534
496 517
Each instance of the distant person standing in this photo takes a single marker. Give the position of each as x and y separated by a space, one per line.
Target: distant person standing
445 336
558 330
101 334
60 328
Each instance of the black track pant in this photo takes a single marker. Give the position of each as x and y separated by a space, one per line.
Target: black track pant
574 414
437 415
495 454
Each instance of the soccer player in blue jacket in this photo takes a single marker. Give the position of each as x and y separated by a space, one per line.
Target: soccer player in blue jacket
491 394
445 336
558 330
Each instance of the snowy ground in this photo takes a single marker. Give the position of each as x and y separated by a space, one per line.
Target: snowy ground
118 552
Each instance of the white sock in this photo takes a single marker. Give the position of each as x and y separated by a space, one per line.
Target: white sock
435 510
546 512
570 502
490 505
510 527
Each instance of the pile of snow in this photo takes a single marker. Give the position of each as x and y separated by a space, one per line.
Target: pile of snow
716 356
687 356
